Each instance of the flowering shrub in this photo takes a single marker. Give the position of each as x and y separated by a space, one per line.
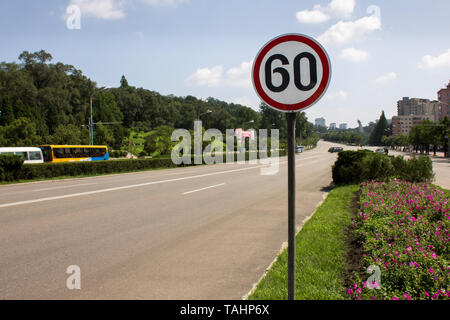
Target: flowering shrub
404 231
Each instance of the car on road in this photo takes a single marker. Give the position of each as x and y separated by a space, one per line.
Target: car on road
384 150
335 149
299 149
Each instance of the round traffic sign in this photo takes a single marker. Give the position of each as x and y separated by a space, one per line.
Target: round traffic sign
291 72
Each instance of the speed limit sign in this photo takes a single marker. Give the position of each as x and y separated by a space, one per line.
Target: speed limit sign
291 72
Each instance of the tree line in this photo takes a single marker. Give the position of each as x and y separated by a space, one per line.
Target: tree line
49 103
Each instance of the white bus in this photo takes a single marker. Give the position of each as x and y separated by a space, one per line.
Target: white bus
28 154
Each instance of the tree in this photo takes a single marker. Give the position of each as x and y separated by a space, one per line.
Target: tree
381 129
159 141
69 134
123 82
20 133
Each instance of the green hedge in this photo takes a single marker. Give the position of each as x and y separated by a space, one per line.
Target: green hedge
357 166
11 167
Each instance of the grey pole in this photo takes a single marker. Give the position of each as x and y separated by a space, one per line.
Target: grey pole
91 127
291 117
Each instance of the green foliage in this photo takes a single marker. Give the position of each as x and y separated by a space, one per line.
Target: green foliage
159 141
343 136
69 134
358 166
347 168
10 167
418 169
117 154
21 132
376 166
381 129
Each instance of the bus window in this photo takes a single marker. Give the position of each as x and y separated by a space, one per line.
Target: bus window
34 155
47 153
58 152
23 155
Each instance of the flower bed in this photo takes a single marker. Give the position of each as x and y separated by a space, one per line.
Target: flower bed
404 232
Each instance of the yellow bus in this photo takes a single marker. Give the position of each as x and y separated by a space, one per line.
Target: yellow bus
68 153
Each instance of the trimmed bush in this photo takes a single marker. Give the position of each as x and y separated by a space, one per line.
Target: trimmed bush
347 169
357 166
10 167
376 166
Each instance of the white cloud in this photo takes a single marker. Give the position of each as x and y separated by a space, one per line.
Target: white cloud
336 8
354 55
240 77
441 61
311 16
342 8
210 77
340 95
101 9
384 79
345 32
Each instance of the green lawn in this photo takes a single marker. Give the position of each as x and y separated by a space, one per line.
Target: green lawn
321 249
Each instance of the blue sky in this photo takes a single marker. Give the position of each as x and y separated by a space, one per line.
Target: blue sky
205 47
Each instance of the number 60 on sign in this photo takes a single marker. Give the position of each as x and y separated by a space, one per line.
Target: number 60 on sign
291 72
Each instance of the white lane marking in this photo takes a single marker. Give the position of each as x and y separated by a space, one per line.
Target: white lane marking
12 204
206 188
63 187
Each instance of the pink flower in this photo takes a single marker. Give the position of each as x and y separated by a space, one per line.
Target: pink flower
430 270
349 292
394 298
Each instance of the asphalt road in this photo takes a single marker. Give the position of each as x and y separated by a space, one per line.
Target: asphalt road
206 232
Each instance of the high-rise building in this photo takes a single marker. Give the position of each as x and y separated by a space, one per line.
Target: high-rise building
411 112
333 126
444 101
403 124
343 126
418 107
320 122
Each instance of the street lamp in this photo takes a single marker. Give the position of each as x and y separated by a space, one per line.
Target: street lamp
201 114
91 122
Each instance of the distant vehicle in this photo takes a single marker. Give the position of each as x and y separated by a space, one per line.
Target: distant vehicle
335 149
299 149
28 154
380 150
69 153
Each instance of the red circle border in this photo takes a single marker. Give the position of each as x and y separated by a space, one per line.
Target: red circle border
319 91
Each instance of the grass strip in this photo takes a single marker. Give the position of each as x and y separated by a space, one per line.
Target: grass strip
320 254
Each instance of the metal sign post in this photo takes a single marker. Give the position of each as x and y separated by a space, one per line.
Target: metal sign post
291 73
290 118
